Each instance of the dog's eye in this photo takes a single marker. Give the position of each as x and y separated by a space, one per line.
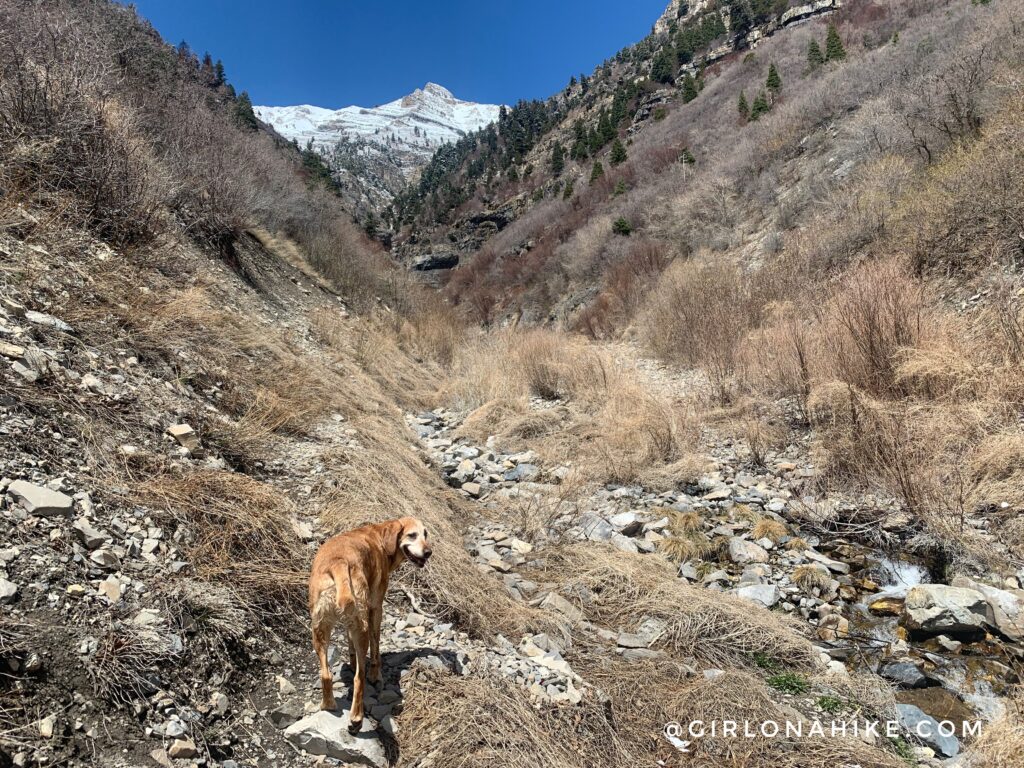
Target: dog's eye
413 535
424 533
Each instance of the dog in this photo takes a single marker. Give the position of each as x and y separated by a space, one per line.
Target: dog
347 585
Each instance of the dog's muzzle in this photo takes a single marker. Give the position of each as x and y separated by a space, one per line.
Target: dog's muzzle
417 560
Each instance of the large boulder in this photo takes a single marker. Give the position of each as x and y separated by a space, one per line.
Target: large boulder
936 609
766 595
1007 606
326 733
37 500
927 730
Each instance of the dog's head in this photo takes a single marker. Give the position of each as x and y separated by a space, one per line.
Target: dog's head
414 541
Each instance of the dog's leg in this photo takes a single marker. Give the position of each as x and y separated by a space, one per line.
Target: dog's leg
375 617
358 642
321 639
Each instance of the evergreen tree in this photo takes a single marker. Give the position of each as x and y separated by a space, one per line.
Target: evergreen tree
207 64
690 89
572 81
760 106
557 159
569 189
743 107
815 58
605 128
663 71
218 73
513 174
834 50
597 173
618 154
244 115
740 21
774 81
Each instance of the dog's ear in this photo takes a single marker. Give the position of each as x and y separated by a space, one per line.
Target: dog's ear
400 526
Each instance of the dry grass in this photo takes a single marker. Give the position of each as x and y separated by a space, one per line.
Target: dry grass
493 724
797 544
124 660
621 589
240 533
811 577
1001 743
769 528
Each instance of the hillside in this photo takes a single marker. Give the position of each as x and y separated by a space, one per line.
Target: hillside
380 150
754 455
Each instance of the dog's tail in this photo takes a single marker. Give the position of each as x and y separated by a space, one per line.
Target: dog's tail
340 578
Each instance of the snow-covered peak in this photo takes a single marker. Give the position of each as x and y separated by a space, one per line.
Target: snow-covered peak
413 126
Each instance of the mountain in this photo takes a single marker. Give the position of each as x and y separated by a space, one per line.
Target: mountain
380 150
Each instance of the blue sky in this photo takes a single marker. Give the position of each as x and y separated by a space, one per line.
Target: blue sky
333 53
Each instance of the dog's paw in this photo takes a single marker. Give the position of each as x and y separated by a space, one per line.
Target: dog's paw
355 726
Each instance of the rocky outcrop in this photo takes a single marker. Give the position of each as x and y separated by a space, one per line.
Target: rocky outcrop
326 733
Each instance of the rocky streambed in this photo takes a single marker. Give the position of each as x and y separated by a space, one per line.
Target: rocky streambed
947 649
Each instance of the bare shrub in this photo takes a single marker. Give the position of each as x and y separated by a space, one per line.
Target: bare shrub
697 316
124 661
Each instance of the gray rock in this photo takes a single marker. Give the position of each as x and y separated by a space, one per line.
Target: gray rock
182 749
596 528
1007 607
833 565
763 594
624 543
742 552
938 609
285 715
326 733
904 674
37 500
926 730
89 536
626 523
523 473
558 603
8 591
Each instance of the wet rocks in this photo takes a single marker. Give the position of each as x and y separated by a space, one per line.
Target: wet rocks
938 609
904 674
927 730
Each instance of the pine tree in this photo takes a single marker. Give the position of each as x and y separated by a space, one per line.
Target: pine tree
569 189
607 131
244 115
597 173
834 50
662 71
743 107
815 58
760 106
740 21
618 154
774 81
218 73
557 159
690 90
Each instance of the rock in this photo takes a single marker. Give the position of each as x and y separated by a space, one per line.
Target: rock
833 627
742 552
11 350
37 500
25 372
473 489
286 714
325 733
626 523
187 438
523 473
833 565
718 494
182 749
938 609
160 757
949 644
904 674
49 321
112 589
623 543
926 729
284 686
558 603
89 536
595 527
762 594
886 606
47 726
1007 607
220 703
147 617
8 591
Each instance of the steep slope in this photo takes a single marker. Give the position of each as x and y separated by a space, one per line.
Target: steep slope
544 149
382 148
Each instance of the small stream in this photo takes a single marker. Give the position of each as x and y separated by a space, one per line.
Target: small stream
961 681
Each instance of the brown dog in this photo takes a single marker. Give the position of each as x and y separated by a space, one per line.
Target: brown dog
347 586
